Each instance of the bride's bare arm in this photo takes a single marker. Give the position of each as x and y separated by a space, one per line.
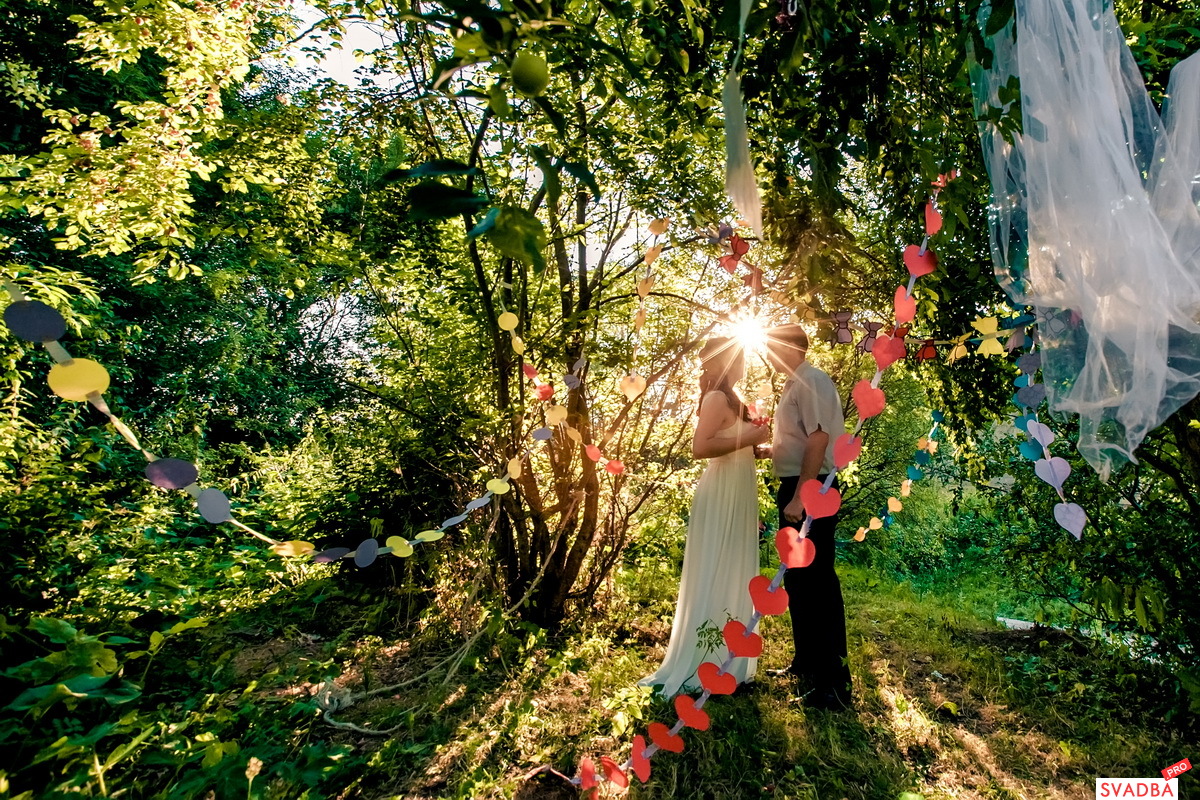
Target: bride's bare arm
716 414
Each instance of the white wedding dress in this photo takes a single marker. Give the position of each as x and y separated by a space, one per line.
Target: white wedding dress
720 558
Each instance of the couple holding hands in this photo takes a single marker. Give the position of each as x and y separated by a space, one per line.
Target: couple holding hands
721 554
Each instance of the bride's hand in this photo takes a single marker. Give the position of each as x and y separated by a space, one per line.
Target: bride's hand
757 436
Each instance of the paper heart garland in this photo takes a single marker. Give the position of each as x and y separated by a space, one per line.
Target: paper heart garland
767 602
817 504
641 764
615 775
714 680
661 735
1071 517
867 399
905 305
685 707
919 263
1053 471
888 350
740 643
846 448
1041 433
933 219
587 774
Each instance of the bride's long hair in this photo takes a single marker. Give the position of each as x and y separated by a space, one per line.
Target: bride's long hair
717 358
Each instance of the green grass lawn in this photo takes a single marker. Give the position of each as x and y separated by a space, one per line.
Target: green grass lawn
948 706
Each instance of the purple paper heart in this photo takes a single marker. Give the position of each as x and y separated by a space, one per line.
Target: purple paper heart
450 523
571 381
1040 433
542 434
1053 470
1032 396
1029 362
1071 517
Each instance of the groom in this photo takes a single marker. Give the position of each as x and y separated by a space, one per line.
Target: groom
808 418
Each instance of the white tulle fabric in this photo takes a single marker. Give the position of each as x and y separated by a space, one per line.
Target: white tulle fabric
1094 220
719 559
740 182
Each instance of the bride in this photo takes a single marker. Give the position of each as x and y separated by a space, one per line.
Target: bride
721 554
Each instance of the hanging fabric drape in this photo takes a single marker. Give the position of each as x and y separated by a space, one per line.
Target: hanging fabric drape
1094 218
740 182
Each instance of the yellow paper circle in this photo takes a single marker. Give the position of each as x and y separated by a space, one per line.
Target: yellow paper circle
555 415
574 435
518 345
294 548
429 536
498 486
514 468
508 321
76 380
894 505
400 546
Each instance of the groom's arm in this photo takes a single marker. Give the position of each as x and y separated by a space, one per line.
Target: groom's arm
810 468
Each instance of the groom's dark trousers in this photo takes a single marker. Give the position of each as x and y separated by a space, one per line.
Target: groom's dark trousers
815 602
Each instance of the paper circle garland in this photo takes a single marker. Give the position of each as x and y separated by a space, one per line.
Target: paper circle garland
172 473
77 379
35 321
214 506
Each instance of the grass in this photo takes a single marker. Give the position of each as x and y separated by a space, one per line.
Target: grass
948 706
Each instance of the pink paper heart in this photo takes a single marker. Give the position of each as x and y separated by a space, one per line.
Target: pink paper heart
661 735
933 220
615 775
846 448
919 264
1040 433
741 643
1052 470
1071 517
765 601
714 680
685 707
641 764
819 505
587 774
906 307
888 350
868 400
593 452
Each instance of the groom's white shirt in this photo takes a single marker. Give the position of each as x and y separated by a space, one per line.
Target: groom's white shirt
809 401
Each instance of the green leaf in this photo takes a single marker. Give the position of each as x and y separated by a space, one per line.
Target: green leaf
519 234
1001 13
486 224
584 175
549 175
55 630
433 200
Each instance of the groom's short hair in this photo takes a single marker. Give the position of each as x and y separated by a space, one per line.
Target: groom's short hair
790 334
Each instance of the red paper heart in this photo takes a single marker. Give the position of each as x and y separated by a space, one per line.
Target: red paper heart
615 775
685 707
641 764
820 505
544 391
530 370
868 400
846 448
888 350
917 263
714 680
615 467
741 643
587 774
593 452
933 220
906 307
794 552
765 601
661 735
